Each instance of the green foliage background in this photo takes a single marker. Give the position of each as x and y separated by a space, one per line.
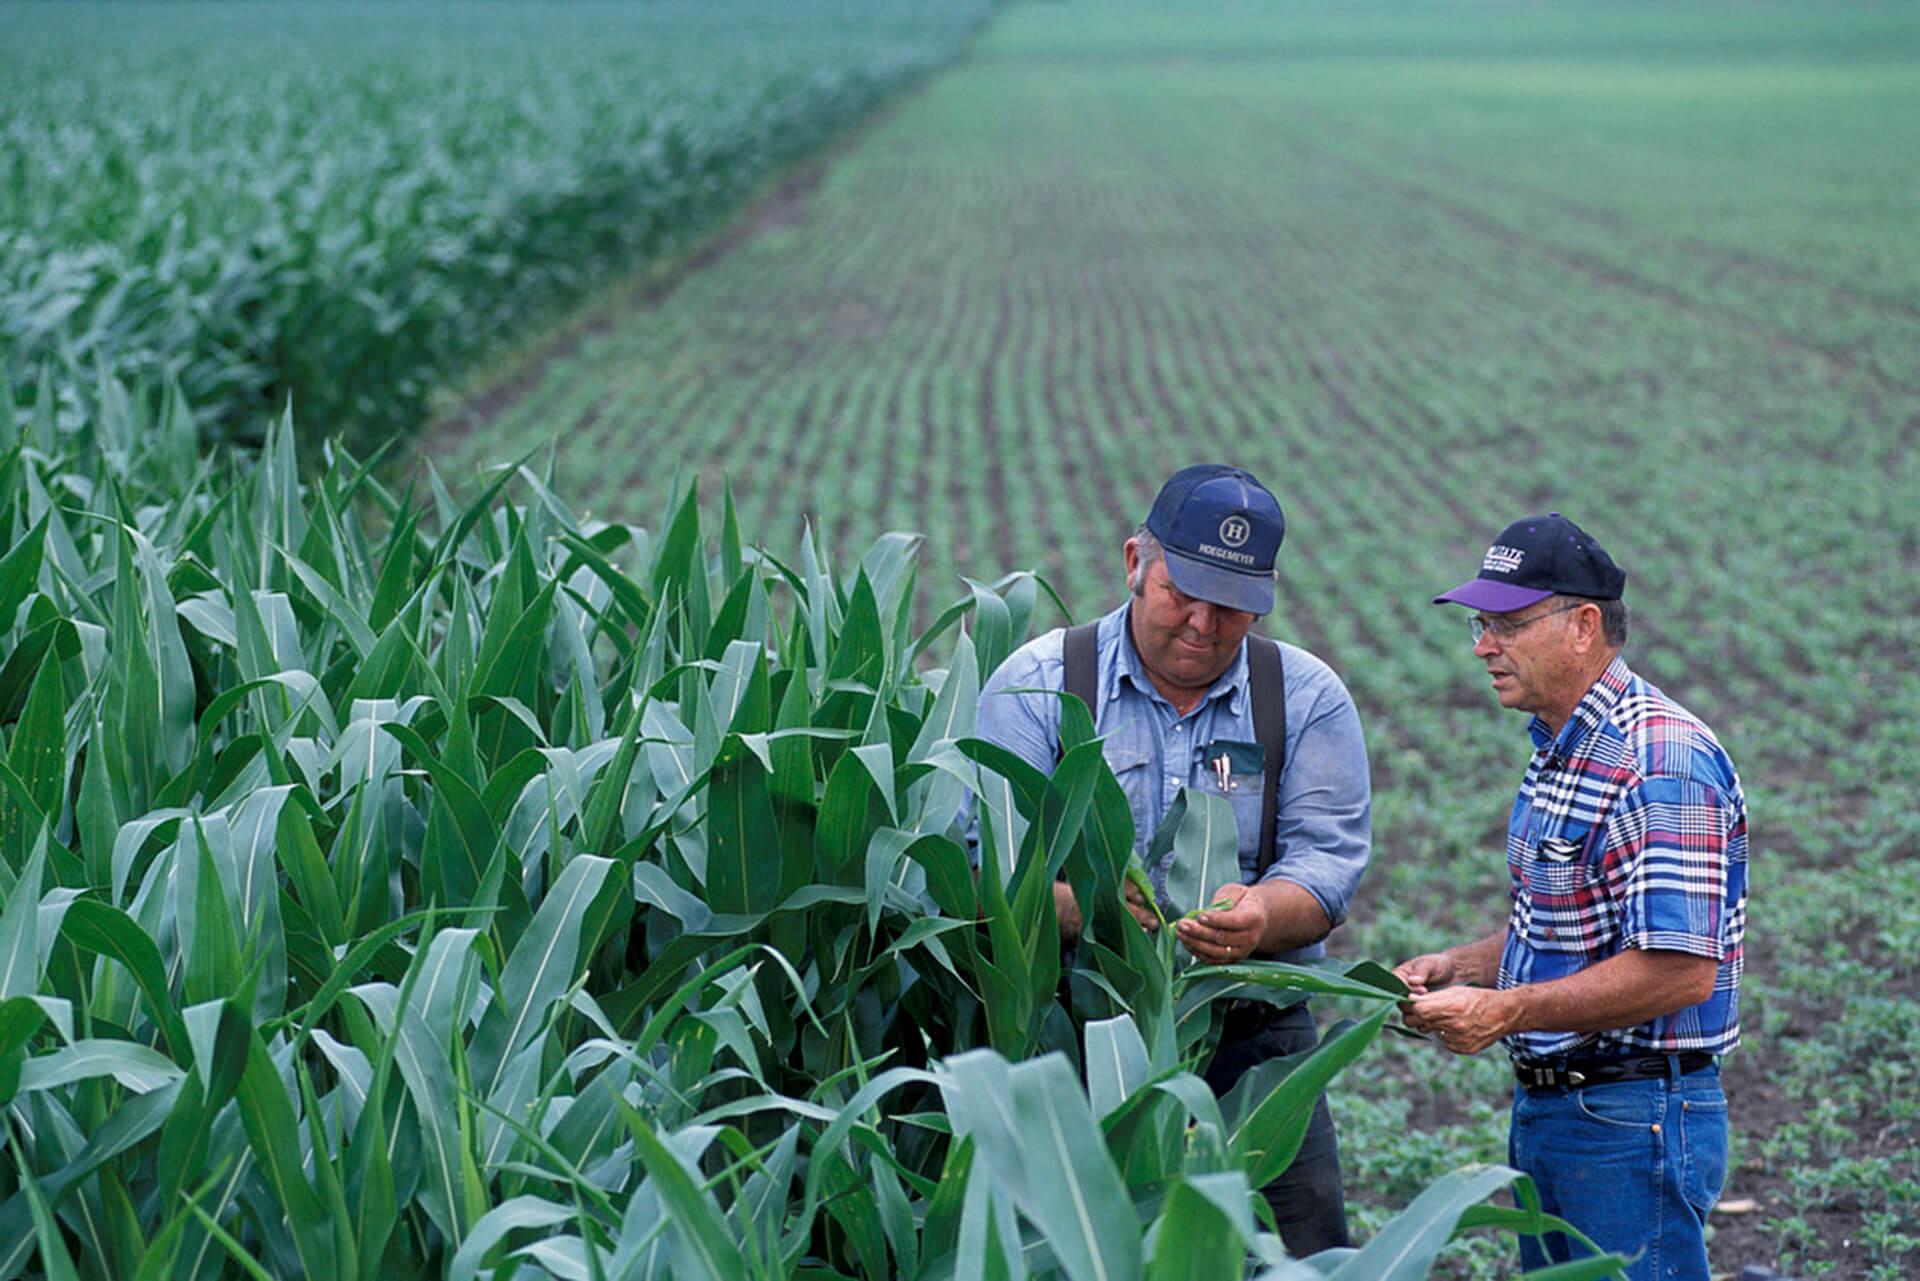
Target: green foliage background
340 204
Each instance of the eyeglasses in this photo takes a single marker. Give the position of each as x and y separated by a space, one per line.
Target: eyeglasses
1505 629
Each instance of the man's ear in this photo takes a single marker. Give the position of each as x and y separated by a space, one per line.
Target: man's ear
1589 632
1135 583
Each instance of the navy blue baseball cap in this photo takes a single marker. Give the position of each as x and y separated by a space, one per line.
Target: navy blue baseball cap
1534 558
1220 529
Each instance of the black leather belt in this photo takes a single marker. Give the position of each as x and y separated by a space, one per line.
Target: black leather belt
1573 1073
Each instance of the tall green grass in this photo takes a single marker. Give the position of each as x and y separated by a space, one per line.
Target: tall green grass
339 203
397 886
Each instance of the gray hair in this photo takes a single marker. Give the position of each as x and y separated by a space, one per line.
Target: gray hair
1148 549
1614 617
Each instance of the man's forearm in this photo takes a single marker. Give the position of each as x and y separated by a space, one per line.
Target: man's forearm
1067 909
1478 963
1294 917
1622 991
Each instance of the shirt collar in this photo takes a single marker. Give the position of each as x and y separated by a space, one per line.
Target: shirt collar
1231 684
1592 711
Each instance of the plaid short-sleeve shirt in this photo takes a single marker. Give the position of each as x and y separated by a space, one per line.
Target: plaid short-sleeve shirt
1630 830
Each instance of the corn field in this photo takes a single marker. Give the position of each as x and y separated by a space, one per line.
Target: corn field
401 889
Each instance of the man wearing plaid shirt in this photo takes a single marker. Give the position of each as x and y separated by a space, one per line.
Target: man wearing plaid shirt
1615 983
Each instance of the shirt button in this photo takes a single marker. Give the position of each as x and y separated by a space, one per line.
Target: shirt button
1173 780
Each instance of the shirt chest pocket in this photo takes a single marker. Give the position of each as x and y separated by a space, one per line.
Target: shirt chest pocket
1236 770
1567 905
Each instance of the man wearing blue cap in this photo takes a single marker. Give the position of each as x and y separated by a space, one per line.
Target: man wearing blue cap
1184 698
1615 983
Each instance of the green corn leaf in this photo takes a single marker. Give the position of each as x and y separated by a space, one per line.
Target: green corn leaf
210 935
1405 1248
129 1125
885 853
266 1114
1593 1268
1206 852
514 643
1073 1193
744 615
96 816
793 776
134 1066
1269 1138
993 634
160 636
46 1233
461 836
1069 795
949 875
340 611
676 558
429 1079
356 962
104 930
706 1248
395 583
748 706
447 981
743 839
254 829
515 1214
608 797
848 815
24 660
988 1245
21 1018
38 754
389 665
37 763
860 655
20 949
1252 979
732 561
308 876
20 571
543 965
1116 1063
1204 1230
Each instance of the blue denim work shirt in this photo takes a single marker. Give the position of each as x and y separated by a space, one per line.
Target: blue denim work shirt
1324 830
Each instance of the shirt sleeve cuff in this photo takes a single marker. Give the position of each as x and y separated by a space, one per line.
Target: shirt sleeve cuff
1705 945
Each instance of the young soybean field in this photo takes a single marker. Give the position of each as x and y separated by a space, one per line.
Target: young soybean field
1423 269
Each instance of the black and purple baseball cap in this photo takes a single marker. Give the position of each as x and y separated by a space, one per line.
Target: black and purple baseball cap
1220 529
1534 558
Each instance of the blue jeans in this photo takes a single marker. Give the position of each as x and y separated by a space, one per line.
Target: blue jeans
1636 1165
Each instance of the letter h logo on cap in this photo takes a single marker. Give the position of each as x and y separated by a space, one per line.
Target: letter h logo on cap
1220 529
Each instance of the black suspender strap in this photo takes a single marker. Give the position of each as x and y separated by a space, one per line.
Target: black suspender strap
1082 654
1267 678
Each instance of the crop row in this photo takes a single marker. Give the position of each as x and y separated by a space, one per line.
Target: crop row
342 205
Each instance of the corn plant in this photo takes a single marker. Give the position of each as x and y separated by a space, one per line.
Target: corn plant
395 887
254 201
